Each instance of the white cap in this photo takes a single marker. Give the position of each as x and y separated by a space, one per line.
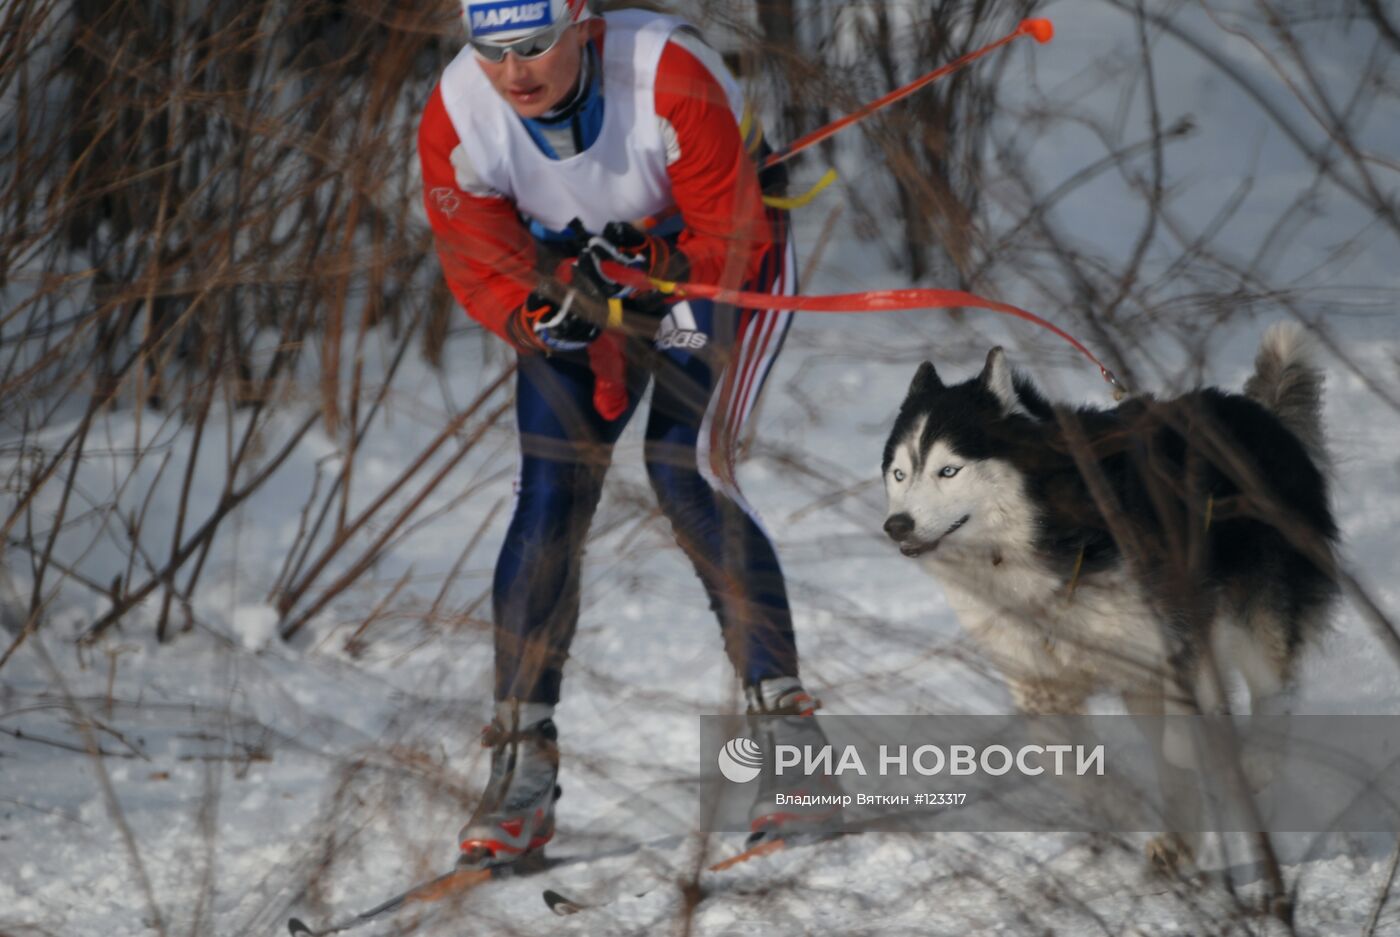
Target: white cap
508 20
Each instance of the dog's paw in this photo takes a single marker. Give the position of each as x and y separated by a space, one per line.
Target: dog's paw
1170 854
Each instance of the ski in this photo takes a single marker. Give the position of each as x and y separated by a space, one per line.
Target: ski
765 847
454 883
565 906
434 891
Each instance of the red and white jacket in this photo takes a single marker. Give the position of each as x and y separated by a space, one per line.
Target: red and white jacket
670 139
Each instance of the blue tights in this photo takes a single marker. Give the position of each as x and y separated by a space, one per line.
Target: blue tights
566 448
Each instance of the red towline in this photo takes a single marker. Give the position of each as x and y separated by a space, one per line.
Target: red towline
864 301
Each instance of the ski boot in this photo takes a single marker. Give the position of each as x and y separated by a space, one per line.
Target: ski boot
782 713
515 816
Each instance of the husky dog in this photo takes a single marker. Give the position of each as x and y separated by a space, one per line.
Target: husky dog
1124 549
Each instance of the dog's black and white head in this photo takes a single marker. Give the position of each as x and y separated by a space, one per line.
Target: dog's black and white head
947 479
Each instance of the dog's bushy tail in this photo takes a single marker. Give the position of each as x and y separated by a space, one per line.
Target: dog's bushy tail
1288 382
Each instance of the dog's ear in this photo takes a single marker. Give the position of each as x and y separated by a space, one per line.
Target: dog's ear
925 379
996 378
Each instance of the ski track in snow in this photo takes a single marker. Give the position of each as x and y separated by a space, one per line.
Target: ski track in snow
297 779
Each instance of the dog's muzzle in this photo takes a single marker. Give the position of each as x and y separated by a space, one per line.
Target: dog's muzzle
900 526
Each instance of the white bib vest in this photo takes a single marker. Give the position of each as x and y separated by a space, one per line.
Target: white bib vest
621 177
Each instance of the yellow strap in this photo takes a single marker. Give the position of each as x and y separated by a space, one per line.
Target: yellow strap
748 125
1074 576
797 201
614 313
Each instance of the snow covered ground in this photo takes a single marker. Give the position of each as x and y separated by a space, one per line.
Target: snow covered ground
245 779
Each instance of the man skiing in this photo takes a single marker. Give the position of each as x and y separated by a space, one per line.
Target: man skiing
551 132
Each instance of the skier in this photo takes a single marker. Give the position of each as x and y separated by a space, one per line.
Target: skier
523 145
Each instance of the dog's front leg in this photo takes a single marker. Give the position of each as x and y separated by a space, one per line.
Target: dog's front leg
1055 708
1174 851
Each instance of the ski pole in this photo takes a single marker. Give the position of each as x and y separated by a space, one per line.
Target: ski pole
609 394
1042 30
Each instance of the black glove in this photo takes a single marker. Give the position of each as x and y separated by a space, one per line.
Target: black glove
541 324
627 244
658 257
621 243
641 310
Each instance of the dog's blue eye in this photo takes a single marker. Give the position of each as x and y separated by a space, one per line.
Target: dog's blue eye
948 471
898 475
